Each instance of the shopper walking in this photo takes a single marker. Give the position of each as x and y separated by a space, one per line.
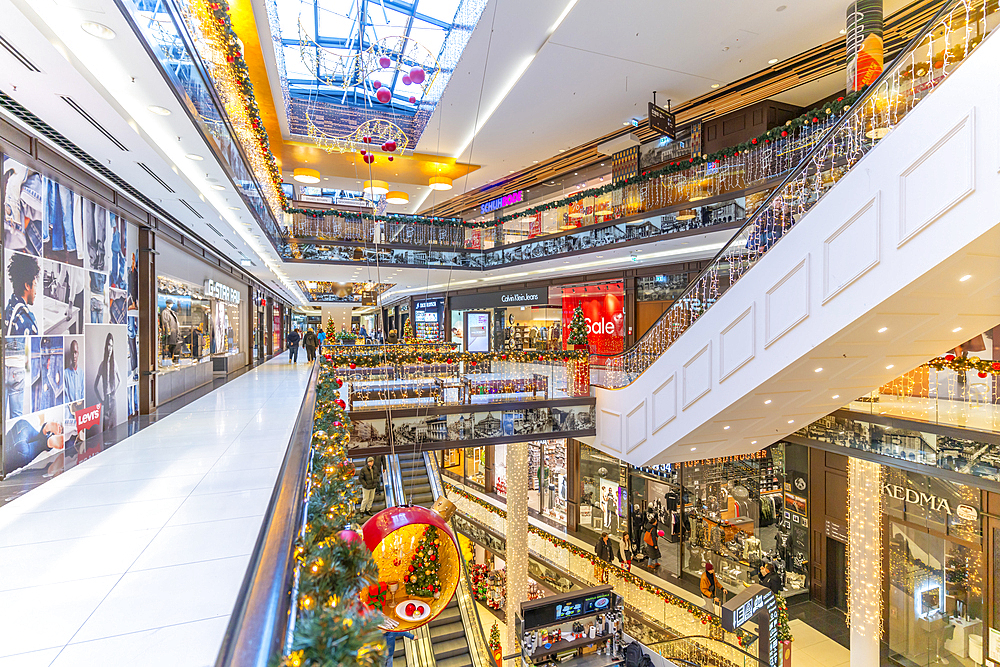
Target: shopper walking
650 539
311 343
292 340
710 588
606 552
390 644
369 482
321 337
393 337
627 552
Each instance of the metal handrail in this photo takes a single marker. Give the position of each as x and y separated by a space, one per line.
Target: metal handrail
257 626
698 642
690 293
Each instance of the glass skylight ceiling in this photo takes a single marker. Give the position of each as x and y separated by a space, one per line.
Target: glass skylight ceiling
345 29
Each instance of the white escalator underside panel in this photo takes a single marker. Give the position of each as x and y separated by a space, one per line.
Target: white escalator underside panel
884 248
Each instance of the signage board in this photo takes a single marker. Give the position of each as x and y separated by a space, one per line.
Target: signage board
221 292
931 501
502 299
477 332
756 603
430 311
87 417
662 121
566 607
369 299
836 531
501 202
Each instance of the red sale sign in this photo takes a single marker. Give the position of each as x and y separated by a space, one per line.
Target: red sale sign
88 417
604 312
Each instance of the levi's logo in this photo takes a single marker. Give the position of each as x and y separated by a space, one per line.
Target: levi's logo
88 417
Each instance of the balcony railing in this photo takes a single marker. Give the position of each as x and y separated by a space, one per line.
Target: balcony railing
930 57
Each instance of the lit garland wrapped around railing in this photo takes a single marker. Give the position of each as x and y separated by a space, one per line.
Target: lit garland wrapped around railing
362 357
697 611
333 626
950 362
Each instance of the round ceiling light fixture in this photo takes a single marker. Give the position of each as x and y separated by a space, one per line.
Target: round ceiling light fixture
440 183
305 175
376 187
397 197
98 30
158 110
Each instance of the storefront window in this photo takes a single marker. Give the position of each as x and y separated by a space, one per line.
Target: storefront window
475 466
184 321
547 485
602 505
660 288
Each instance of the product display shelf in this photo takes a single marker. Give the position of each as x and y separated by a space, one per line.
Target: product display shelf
495 385
595 609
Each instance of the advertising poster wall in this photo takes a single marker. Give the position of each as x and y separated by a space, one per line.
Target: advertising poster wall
604 310
70 322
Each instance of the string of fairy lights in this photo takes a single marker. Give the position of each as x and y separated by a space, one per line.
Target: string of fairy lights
864 549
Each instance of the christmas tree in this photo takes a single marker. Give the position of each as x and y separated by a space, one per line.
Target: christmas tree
577 328
425 565
331 332
784 632
495 638
408 336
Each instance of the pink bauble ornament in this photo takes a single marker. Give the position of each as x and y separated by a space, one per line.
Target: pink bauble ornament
369 158
417 75
384 62
364 152
376 84
406 80
390 158
413 100
383 95
350 536
390 145
660 533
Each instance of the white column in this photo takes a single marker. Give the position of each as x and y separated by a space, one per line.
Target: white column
864 553
517 535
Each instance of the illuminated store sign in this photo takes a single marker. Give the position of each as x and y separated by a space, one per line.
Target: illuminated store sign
222 292
929 500
755 603
500 202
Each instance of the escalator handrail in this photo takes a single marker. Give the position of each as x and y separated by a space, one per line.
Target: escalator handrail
257 626
804 163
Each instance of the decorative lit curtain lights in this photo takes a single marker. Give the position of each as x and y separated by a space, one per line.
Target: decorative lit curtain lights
864 557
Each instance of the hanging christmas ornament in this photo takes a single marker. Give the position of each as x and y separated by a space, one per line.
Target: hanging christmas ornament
390 158
376 84
413 100
415 552
390 146
417 75
383 95
350 535
384 62
406 80
369 158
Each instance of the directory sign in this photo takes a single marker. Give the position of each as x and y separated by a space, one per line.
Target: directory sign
662 121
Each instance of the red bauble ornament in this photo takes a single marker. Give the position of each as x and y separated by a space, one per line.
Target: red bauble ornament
369 158
433 557
413 100
350 536
390 145
417 75
384 62
376 84
784 133
411 609
996 365
472 363
949 357
815 119
406 80
753 141
341 403
982 374
390 158
383 95
364 152
353 365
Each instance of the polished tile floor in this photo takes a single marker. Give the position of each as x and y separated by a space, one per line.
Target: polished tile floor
136 556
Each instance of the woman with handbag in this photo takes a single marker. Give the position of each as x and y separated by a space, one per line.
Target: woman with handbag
626 552
710 588
606 552
650 538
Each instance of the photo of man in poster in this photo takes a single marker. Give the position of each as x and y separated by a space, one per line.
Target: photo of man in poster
20 314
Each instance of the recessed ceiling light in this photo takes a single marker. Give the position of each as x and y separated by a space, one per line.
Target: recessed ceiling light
725 428
843 31
192 156
234 208
883 329
767 402
791 421
964 278
715 85
159 111
694 449
216 186
772 61
563 150
890 367
97 30
836 396
956 329
818 370
753 442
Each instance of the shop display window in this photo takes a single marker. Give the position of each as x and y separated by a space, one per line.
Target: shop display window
602 505
547 484
193 327
475 466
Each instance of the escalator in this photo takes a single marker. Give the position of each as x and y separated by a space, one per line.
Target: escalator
876 253
446 639
379 503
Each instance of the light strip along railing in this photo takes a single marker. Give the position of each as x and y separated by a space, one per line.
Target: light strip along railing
930 57
479 647
704 651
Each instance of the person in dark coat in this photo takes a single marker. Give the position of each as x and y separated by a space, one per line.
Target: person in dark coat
650 541
310 342
292 340
770 579
369 482
606 551
393 337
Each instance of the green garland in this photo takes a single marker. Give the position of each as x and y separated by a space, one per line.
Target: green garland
333 627
963 364
694 609
408 354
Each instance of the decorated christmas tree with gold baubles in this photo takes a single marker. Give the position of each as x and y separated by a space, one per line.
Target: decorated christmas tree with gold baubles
423 580
408 336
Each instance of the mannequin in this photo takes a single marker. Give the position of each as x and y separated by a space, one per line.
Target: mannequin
169 328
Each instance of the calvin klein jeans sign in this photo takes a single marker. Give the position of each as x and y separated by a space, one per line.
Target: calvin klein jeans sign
930 501
222 292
